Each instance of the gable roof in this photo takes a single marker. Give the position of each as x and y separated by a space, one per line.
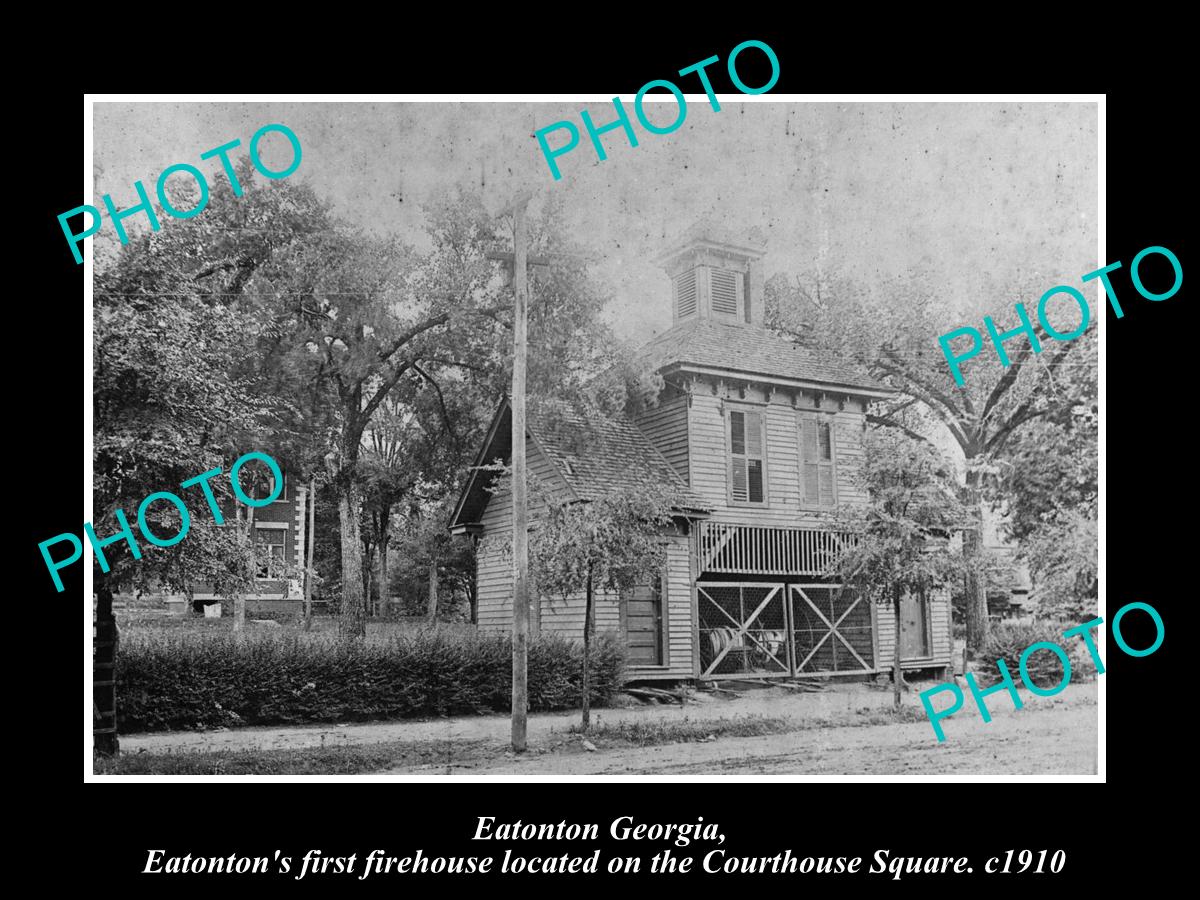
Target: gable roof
590 458
748 349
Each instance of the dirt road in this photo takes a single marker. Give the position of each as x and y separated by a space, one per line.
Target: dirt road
1045 738
827 733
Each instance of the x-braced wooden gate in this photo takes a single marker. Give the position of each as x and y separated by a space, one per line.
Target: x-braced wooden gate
743 629
751 628
833 630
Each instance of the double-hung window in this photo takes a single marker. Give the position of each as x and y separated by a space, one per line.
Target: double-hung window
818 475
271 552
747 457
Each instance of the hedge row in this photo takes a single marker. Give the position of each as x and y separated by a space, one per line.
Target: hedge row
171 681
1008 642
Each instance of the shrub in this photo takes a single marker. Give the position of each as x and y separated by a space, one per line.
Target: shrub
171 680
1008 642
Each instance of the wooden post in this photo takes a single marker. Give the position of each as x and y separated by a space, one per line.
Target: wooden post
897 671
384 537
433 591
520 686
104 691
312 540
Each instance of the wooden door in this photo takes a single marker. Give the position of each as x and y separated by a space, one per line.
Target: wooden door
644 624
914 627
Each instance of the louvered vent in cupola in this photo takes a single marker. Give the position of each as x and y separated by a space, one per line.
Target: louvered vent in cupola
725 293
714 276
685 294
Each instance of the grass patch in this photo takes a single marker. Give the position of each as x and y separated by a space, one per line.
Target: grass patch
650 733
345 759
891 716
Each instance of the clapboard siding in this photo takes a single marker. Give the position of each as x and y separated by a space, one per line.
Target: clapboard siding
494 572
666 426
494 576
566 617
709 454
940 634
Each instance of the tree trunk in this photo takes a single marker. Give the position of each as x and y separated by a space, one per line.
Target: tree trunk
433 591
384 587
352 622
104 661
897 673
312 542
368 577
976 599
586 722
473 599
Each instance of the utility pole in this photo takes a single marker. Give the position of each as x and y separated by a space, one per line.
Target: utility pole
520 643
520 261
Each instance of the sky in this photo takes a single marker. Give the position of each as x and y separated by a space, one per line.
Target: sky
973 193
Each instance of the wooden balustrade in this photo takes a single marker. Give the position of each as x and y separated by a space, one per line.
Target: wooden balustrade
769 550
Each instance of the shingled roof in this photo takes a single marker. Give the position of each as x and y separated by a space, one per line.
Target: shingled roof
751 350
591 459
596 458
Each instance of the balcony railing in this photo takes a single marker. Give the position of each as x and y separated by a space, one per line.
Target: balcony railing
766 550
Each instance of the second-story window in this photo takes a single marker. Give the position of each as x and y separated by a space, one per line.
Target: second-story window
282 498
747 461
818 478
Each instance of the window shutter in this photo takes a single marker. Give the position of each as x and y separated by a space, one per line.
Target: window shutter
737 432
740 491
746 462
754 454
754 434
826 494
809 454
826 463
754 478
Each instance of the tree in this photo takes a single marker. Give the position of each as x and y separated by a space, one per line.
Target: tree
1048 489
892 330
174 393
187 374
612 543
168 406
417 451
387 313
901 538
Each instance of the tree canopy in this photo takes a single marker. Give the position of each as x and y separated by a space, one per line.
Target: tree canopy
891 331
